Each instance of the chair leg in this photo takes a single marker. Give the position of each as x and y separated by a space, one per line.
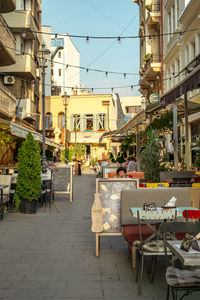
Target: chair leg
97 244
167 298
140 274
133 256
174 294
154 259
137 265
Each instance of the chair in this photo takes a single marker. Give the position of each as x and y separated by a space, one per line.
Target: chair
5 180
181 279
152 246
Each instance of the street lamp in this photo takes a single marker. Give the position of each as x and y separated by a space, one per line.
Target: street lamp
43 63
65 98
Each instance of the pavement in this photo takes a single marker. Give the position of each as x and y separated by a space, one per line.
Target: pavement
51 255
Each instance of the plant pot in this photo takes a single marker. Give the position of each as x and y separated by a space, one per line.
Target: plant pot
28 207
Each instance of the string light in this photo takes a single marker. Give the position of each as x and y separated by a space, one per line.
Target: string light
106 74
150 39
87 71
131 87
119 40
67 66
124 75
87 40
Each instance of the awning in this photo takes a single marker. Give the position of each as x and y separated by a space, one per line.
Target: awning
136 120
192 81
22 132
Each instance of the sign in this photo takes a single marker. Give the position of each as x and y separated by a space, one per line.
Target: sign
154 98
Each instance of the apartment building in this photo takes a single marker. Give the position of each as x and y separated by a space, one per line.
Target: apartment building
23 75
150 26
88 117
131 106
65 71
7 58
181 56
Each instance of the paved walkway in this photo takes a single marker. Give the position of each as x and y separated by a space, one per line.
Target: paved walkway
50 255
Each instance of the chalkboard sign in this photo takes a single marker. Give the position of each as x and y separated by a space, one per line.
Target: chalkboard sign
62 180
110 196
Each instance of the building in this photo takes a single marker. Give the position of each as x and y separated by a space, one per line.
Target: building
88 117
131 106
7 58
181 57
23 72
150 28
65 71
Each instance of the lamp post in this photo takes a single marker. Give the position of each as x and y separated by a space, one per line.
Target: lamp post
65 102
43 63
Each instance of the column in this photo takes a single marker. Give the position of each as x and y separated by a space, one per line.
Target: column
176 14
176 71
197 44
172 19
138 147
175 127
181 64
186 132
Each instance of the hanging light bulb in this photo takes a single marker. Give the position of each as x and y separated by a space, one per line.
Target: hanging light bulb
131 87
124 75
112 89
106 74
150 39
119 40
67 66
87 40
92 89
24 34
87 71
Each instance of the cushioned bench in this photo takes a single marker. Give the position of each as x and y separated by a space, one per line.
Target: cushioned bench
186 197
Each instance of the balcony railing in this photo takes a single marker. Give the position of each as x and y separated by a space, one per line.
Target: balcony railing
8 44
7 101
155 6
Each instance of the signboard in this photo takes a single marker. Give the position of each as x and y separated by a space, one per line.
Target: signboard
110 197
62 180
154 98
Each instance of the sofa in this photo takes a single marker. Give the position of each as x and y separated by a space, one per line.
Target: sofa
186 197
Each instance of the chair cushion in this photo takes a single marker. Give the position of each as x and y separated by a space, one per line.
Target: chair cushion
178 277
131 232
154 246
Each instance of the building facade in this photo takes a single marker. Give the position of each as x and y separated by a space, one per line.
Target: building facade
65 63
181 56
88 117
23 75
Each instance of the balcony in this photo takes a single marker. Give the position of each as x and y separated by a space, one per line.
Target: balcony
7 102
85 137
8 44
151 67
7 6
154 15
25 67
20 21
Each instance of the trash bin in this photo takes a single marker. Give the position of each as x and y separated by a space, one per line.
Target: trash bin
79 168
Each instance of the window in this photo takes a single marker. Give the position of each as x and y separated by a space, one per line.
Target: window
61 120
59 72
132 109
89 122
51 72
102 119
59 54
48 121
76 123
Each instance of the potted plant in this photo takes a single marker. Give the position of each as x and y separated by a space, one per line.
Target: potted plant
197 160
29 183
150 157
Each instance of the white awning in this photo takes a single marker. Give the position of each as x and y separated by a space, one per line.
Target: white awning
22 132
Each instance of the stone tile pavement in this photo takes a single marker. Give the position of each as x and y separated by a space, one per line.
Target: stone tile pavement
50 255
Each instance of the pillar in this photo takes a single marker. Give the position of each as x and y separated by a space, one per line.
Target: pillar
138 147
175 127
186 133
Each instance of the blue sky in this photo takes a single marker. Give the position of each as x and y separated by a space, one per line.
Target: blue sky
100 18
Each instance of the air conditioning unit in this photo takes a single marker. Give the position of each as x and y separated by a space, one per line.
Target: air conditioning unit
9 80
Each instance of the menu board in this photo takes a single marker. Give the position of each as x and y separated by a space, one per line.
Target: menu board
110 196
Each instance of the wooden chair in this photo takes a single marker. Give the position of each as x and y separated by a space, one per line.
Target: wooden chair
152 246
181 279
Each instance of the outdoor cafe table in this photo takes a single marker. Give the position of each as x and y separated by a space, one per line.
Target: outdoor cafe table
191 258
157 214
2 186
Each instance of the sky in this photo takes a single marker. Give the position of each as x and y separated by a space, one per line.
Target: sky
100 18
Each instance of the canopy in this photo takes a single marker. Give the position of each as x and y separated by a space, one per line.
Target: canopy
22 132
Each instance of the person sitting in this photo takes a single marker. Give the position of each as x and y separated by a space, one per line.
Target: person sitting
132 165
121 172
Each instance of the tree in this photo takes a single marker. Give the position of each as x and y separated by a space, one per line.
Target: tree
197 160
150 157
77 151
29 172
